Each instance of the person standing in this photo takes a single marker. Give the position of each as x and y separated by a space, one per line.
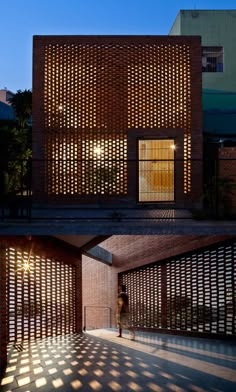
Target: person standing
123 313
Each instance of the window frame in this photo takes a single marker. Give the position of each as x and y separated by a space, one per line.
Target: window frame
211 54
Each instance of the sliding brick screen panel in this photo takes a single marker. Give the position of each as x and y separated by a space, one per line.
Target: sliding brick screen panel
192 293
90 92
144 290
40 296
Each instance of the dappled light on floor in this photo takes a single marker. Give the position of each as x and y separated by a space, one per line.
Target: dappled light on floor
99 361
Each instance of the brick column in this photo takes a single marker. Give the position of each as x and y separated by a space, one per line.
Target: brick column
78 298
3 308
163 296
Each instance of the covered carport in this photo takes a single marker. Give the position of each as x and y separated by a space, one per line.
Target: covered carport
51 288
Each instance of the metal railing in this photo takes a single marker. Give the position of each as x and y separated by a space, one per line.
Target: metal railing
16 189
217 196
96 320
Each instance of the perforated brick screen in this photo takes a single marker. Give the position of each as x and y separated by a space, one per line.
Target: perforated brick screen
40 296
191 293
89 92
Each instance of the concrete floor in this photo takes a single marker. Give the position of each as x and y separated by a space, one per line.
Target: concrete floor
100 361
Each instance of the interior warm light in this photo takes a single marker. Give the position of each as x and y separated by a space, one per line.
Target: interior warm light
60 108
156 170
173 146
26 265
99 163
98 151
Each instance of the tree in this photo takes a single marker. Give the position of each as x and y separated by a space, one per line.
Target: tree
179 309
22 105
179 302
15 151
16 145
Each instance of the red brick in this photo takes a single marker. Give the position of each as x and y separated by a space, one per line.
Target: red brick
101 90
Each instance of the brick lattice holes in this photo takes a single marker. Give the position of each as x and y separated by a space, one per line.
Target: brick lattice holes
191 293
201 295
40 296
144 290
94 94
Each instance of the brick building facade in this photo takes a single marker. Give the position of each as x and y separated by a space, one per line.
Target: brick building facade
117 119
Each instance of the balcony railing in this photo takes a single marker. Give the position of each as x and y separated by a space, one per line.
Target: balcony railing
216 189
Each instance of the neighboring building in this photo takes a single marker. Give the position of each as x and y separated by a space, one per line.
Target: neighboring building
5 95
117 119
6 111
217 29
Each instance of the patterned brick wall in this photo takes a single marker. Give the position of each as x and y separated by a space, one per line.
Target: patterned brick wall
100 281
3 327
40 289
190 293
90 93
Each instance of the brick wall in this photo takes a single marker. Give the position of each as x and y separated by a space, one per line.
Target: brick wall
143 250
100 281
91 93
191 293
99 289
3 332
227 179
43 248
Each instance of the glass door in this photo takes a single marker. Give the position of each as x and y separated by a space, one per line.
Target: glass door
156 170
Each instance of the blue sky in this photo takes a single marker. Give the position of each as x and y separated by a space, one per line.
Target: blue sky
21 19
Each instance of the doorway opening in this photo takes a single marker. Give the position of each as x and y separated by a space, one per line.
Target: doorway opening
156 170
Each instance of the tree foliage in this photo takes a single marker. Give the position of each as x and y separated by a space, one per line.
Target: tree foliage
22 105
16 145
